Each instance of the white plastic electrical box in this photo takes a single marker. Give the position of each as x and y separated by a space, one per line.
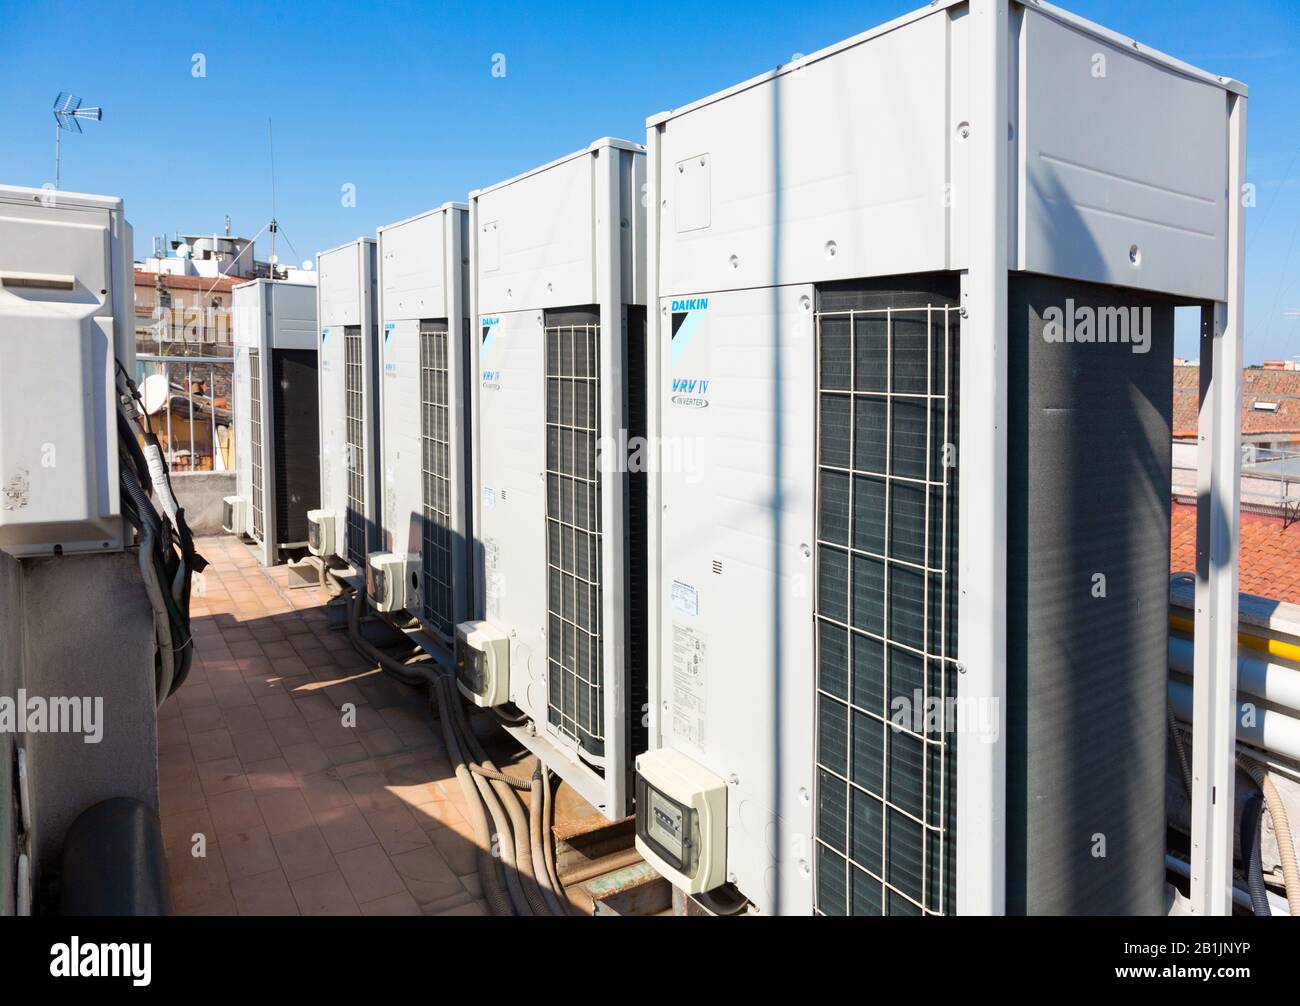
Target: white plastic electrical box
234 510
681 820
66 315
388 579
320 532
483 663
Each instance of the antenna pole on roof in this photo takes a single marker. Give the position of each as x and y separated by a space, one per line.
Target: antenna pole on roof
270 135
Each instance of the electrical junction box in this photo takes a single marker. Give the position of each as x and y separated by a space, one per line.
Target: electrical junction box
388 578
234 515
483 663
681 820
346 287
277 422
66 316
320 533
557 291
424 393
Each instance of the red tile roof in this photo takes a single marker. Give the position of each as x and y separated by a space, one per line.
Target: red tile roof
1270 552
1280 386
221 284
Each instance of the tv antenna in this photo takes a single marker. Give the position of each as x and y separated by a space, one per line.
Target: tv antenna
68 113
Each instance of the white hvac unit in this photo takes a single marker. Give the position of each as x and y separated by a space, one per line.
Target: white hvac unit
277 426
557 290
937 212
346 287
66 315
424 392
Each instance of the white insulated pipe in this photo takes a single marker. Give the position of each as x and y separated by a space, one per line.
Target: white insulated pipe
1258 727
1255 674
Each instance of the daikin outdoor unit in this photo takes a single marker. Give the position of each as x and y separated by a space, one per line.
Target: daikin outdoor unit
911 379
346 524
424 396
277 422
558 309
65 315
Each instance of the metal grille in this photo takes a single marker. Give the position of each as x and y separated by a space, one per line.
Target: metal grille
355 461
886 611
435 438
255 426
575 706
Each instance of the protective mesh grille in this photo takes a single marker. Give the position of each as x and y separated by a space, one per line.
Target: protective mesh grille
435 438
255 435
355 460
886 611
575 706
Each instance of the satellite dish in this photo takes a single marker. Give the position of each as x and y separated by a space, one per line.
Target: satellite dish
183 250
308 265
275 260
155 391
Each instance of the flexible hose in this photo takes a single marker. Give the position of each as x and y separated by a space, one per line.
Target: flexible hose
387 664
512 781
1252 824
548 819
503 820
538 836
521 881
1281 829
489 867
1180 748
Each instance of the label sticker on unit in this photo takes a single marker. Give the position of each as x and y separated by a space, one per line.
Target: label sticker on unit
493 581
690 653
390 366
489 498
686 599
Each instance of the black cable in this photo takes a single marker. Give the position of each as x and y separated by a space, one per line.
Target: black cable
1252 819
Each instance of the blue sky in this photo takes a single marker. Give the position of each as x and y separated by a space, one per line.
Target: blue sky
399 100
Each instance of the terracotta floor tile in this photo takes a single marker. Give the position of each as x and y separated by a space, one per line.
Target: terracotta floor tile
248 852
284 810
222 776
234 812
255 745
426 874
395 904
210 745
304 852
324 894
369 873
397 830
306 757
270 775
265 894
344 828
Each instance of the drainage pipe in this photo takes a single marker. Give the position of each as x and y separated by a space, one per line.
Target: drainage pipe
1255 675
1257 726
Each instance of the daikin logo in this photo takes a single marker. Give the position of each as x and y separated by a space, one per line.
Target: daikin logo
691 304
1098 325
492 379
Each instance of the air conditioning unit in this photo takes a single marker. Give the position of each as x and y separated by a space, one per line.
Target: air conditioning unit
895 453
558 346
66 318
320 533
483 663
388 580
424 391
277 423
350 478
234 515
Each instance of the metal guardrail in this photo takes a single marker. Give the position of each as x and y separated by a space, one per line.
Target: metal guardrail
196 427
